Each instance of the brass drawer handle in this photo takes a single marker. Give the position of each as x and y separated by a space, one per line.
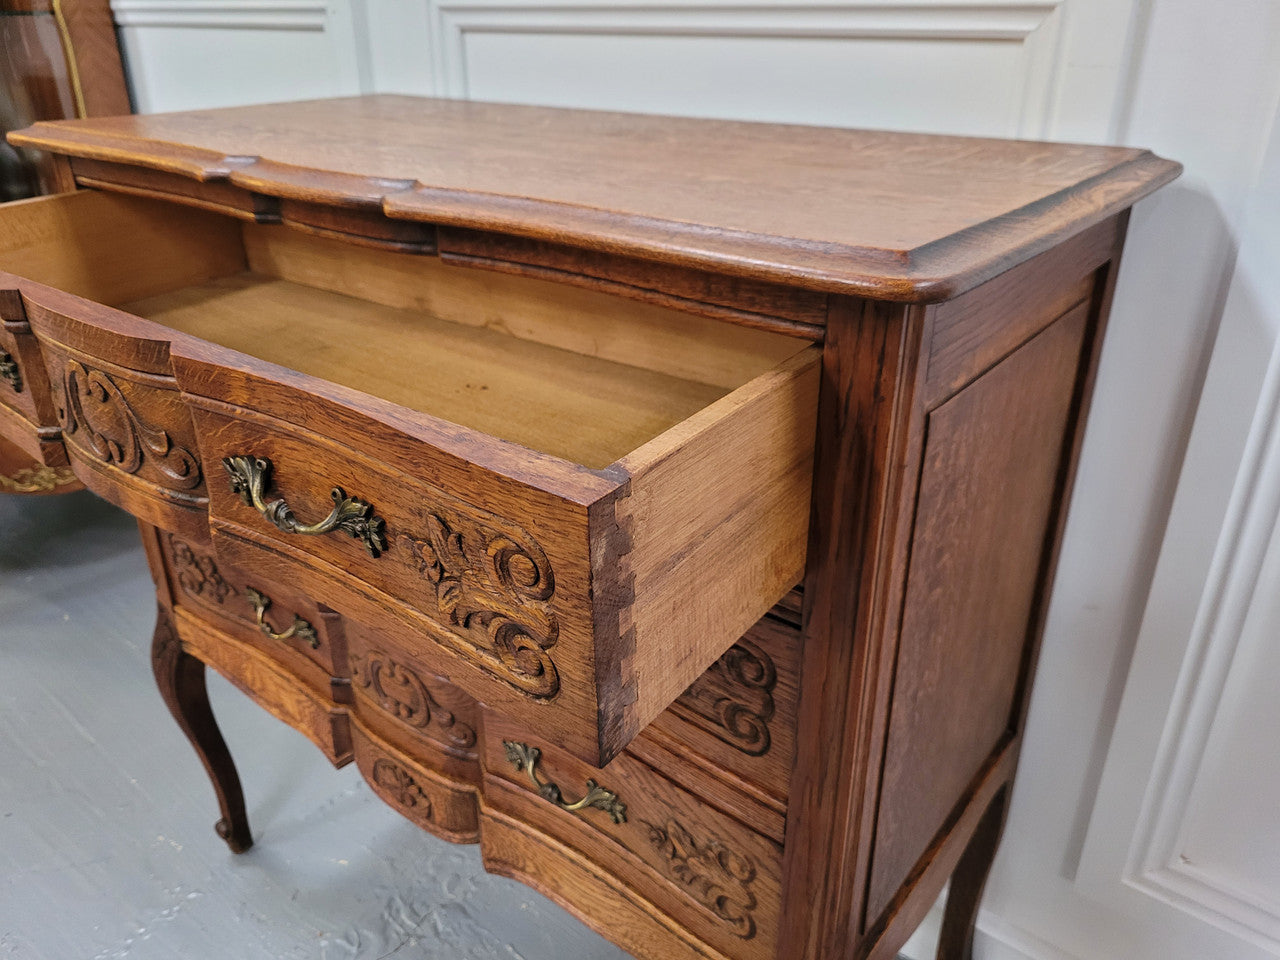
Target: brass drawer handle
249 478
300 628
9 371
525 757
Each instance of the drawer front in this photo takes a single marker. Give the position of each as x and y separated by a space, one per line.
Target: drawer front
24 388
270 685
576 601
432 798
491 604
127 432
396 695
741 714
27 417
712 875
281 623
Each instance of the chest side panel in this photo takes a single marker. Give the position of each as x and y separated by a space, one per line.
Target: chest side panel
991 470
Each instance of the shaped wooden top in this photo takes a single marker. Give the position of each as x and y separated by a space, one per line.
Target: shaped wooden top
896 216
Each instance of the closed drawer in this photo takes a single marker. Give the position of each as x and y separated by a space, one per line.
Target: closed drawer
394 694
269 684
739 717
571 505
435 798
664 844
283 624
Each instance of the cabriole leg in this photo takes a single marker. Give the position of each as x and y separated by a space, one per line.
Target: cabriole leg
180 677
968 881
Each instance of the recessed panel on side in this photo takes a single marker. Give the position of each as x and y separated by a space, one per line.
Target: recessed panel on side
992 464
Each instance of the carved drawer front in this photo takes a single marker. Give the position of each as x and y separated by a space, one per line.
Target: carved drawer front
423 792
269 684
27 418
128 435
576 600
280 622
644 836
397 697
739 718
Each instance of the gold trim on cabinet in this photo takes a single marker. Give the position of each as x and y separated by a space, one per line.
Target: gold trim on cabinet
37 480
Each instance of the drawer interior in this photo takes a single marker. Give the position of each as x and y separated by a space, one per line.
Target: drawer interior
571 372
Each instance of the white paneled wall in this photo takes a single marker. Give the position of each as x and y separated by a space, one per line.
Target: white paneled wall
1146 822
827 63
183 54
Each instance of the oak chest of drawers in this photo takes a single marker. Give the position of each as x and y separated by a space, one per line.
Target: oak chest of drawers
667 505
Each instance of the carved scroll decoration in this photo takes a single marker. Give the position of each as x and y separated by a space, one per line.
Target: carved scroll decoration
105 424
400 786
401 692
735 696
491 588
717 877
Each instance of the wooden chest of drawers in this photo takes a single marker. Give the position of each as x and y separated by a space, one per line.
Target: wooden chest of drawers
669 506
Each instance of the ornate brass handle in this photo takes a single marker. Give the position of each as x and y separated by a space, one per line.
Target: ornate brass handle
249 478
525 757
9 371
300 628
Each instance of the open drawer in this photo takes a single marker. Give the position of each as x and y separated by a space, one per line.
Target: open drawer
570 503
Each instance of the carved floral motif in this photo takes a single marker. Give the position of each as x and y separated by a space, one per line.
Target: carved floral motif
402 693
399 786
716 877
95 412
197 574
736 696
491 588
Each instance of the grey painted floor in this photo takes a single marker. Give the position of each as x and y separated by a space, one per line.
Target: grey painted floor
106 843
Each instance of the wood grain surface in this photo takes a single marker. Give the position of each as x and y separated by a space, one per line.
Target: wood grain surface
591 488
892 215
990 471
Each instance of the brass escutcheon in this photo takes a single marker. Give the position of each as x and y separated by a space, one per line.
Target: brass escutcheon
249 478
300 628
525 757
